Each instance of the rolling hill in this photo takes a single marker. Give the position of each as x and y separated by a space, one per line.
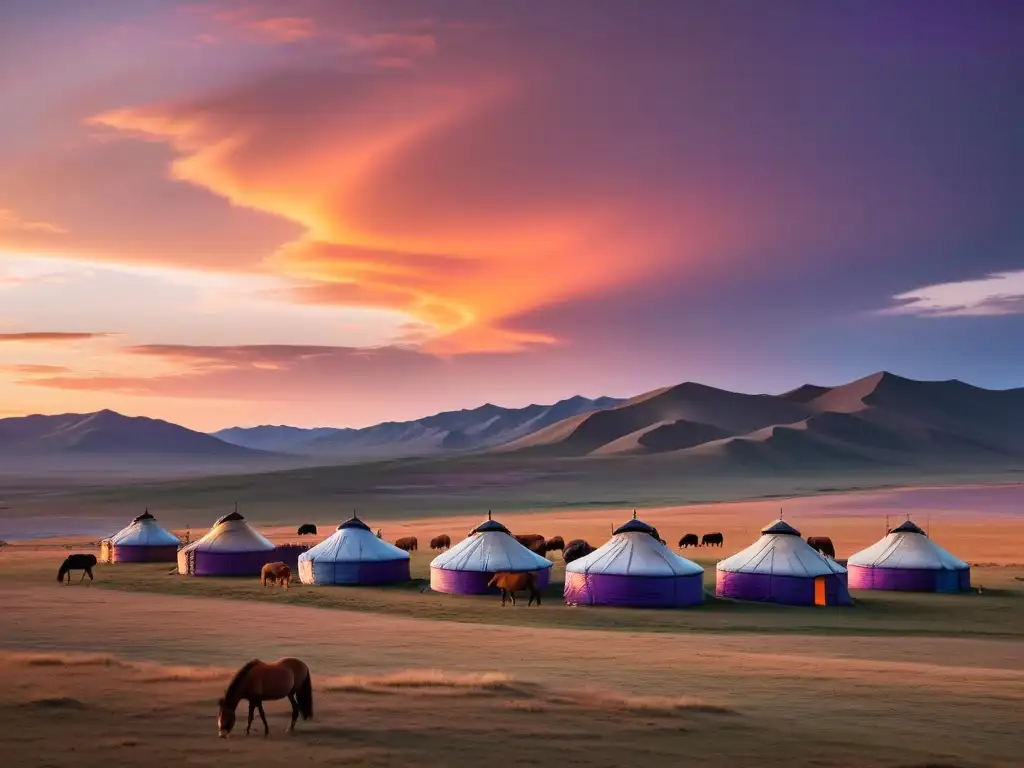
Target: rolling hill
882 419
107 433
450 431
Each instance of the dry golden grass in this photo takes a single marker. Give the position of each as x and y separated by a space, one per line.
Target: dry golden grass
127 670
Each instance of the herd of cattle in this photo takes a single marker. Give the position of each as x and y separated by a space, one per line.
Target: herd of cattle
578 548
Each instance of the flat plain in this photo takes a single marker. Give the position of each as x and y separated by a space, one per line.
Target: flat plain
127 669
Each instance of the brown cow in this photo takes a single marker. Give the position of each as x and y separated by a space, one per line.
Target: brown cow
272 573
555 543
440 542
533 542
407 543
509 583
822 544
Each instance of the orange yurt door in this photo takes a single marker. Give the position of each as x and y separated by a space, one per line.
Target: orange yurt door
819 591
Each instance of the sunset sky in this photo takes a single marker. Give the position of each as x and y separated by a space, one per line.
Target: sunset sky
332 212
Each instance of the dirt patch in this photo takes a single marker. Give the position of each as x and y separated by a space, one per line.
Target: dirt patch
56 702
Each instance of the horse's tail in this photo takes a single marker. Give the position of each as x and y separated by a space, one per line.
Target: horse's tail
63 571
305 697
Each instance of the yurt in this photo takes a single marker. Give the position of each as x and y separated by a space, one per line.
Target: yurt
353 555
781 567
231 548
143 540
907 560
466 568
634 569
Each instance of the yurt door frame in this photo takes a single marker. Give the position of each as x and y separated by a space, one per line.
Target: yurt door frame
820 591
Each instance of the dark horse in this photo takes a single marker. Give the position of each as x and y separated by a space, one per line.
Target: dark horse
257 682
307 529
712 540
689 540
822 544
82 563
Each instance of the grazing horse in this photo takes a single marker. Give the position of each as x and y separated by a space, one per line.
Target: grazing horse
509 583
83 563
689 540
276 572
712 540
441 542
822 544
407 543
576 549
257 682
555 543
307 528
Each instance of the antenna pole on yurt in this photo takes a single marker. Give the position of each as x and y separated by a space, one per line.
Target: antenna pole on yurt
886 525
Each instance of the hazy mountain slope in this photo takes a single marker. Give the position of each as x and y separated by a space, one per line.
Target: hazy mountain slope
108 433
269 437
882 419
462 430
681 415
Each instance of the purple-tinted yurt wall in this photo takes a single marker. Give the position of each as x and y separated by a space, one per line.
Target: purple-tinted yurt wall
466 568
354 556
231 548
634 569
781 567
141 541
907 560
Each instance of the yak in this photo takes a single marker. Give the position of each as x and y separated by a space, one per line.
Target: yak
407 543
510 583
307 528
555 543
441 542
533 542
689 540
576 549
822 544
712 540
83 563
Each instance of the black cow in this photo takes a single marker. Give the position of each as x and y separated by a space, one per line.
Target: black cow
307 528
689 540
712 540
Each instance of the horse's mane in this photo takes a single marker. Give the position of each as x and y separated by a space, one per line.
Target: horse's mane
239 676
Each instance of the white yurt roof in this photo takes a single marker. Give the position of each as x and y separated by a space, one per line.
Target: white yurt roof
780 552
907 546
633 551
144 531
490 548
232 533
353 542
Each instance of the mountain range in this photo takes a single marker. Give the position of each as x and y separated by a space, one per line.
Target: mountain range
879 420
465 430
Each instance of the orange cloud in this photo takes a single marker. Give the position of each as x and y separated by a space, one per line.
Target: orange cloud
26 369
252 372
282 29
47 337
11 222
462 200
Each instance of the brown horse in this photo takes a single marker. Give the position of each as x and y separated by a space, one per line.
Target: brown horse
257 682
275 573
509 583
